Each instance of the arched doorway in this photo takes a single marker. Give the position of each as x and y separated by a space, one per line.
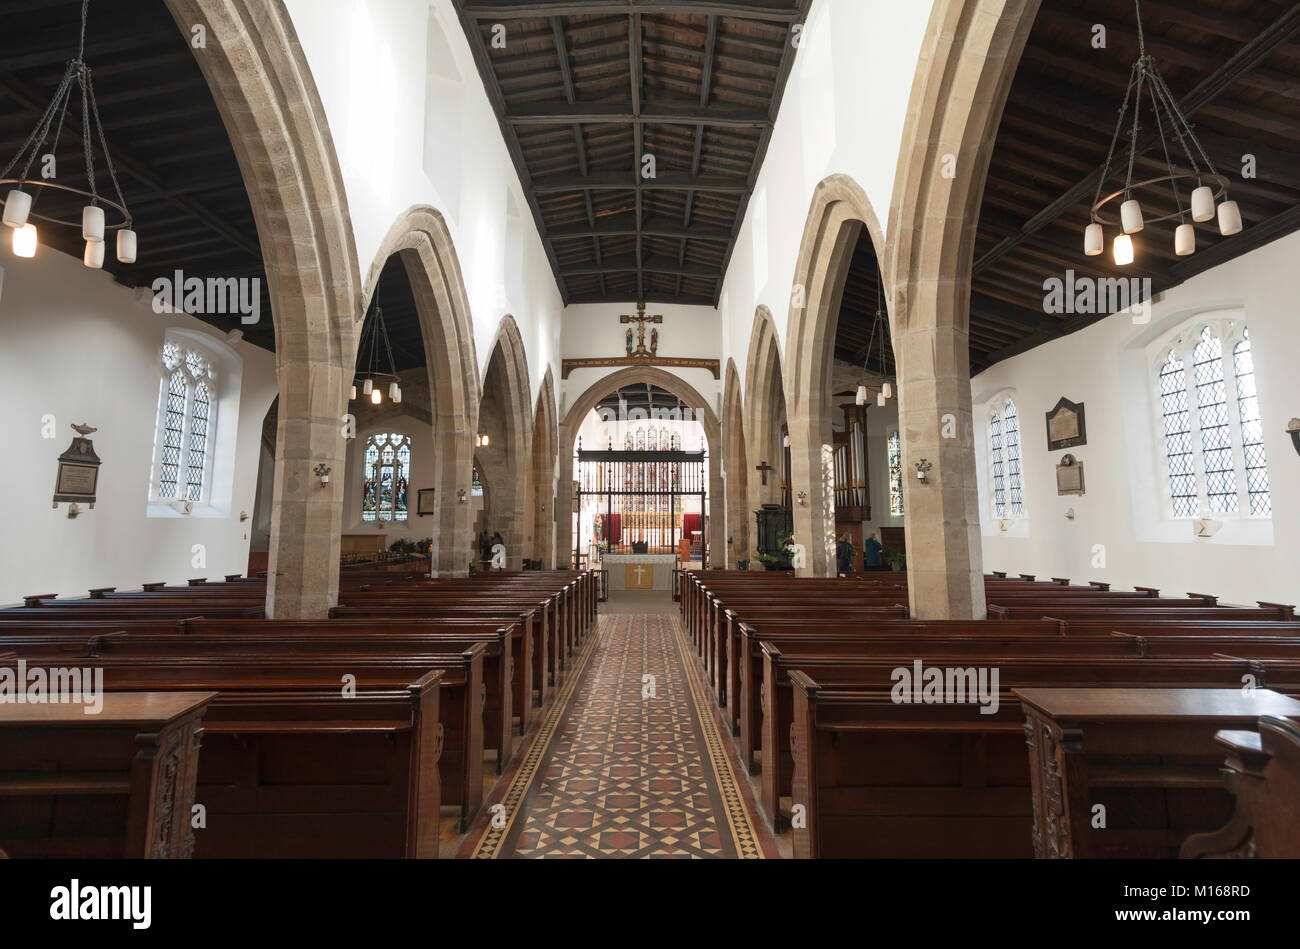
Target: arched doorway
735 470
505 420
768 470
541 477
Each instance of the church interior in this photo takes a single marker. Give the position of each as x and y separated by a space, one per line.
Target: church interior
781 429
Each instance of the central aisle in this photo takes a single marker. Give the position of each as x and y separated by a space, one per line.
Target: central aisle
628 763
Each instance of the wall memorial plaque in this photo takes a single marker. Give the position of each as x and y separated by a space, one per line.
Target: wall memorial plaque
78 472
426 501
1069 476
1065 426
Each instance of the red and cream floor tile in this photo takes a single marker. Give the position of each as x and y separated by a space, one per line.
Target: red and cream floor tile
629 762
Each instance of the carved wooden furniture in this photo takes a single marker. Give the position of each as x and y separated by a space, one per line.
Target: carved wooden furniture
119 783
1263 774
1147 756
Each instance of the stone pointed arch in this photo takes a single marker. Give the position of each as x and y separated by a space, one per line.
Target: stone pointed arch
506 415
541 475
766 415
421 239
580 409
839 211
263 88
736 468
968 60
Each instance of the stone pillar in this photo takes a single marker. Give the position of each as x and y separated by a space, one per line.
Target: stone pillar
944 548
453 533
302 580
812 470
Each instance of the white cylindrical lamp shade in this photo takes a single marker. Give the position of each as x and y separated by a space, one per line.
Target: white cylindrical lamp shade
880 399
353 395
396 393
25 241
1123 250
861 398
367 386
94 256
92 223
1184 240
376 396
1130 216
392 390
1229 218
887 390
1094 239
126 246
18 204
1203 204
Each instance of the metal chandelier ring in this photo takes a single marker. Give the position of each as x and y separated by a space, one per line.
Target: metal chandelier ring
120 209
1219 195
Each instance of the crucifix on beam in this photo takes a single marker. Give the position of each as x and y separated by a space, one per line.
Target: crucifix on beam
641 320
763 469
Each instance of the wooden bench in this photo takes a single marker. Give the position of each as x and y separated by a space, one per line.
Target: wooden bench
119 783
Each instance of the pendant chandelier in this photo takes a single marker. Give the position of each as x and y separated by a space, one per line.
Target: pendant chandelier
374 335
1208 197
879 327
41 146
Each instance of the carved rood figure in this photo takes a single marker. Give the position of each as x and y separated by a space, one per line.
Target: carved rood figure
763 469
641 320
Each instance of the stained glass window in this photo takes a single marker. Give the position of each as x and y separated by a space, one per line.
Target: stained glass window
387 478
186 420
1214 455
895 475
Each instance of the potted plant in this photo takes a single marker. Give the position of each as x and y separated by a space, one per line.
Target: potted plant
896 559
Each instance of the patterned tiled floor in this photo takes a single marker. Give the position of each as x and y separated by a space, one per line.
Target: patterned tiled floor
629 762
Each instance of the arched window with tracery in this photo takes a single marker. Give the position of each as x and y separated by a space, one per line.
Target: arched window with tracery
1211 433
186 427
1005 475
386 477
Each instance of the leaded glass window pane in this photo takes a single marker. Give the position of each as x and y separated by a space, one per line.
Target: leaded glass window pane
198 443
173 433
895 475
996 461
1252 429
1177 426
387 478
1216 433
1011 444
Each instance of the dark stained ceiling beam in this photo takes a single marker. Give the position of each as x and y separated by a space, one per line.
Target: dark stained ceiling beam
656 112
619 181
775 11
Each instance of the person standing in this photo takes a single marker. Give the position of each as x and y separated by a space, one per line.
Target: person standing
844 555
872 549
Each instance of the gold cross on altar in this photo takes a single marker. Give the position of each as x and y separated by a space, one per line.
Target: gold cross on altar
641 320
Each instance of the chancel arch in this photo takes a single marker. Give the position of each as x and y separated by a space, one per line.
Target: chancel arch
582 407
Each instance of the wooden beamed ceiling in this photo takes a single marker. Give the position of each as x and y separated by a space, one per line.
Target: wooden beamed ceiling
1231 65
174 160
588 93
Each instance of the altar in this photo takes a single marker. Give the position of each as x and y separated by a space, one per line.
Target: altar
639 571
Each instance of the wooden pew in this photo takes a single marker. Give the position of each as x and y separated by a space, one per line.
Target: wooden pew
119 783
1262 773
292 768
880 779
1145 755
